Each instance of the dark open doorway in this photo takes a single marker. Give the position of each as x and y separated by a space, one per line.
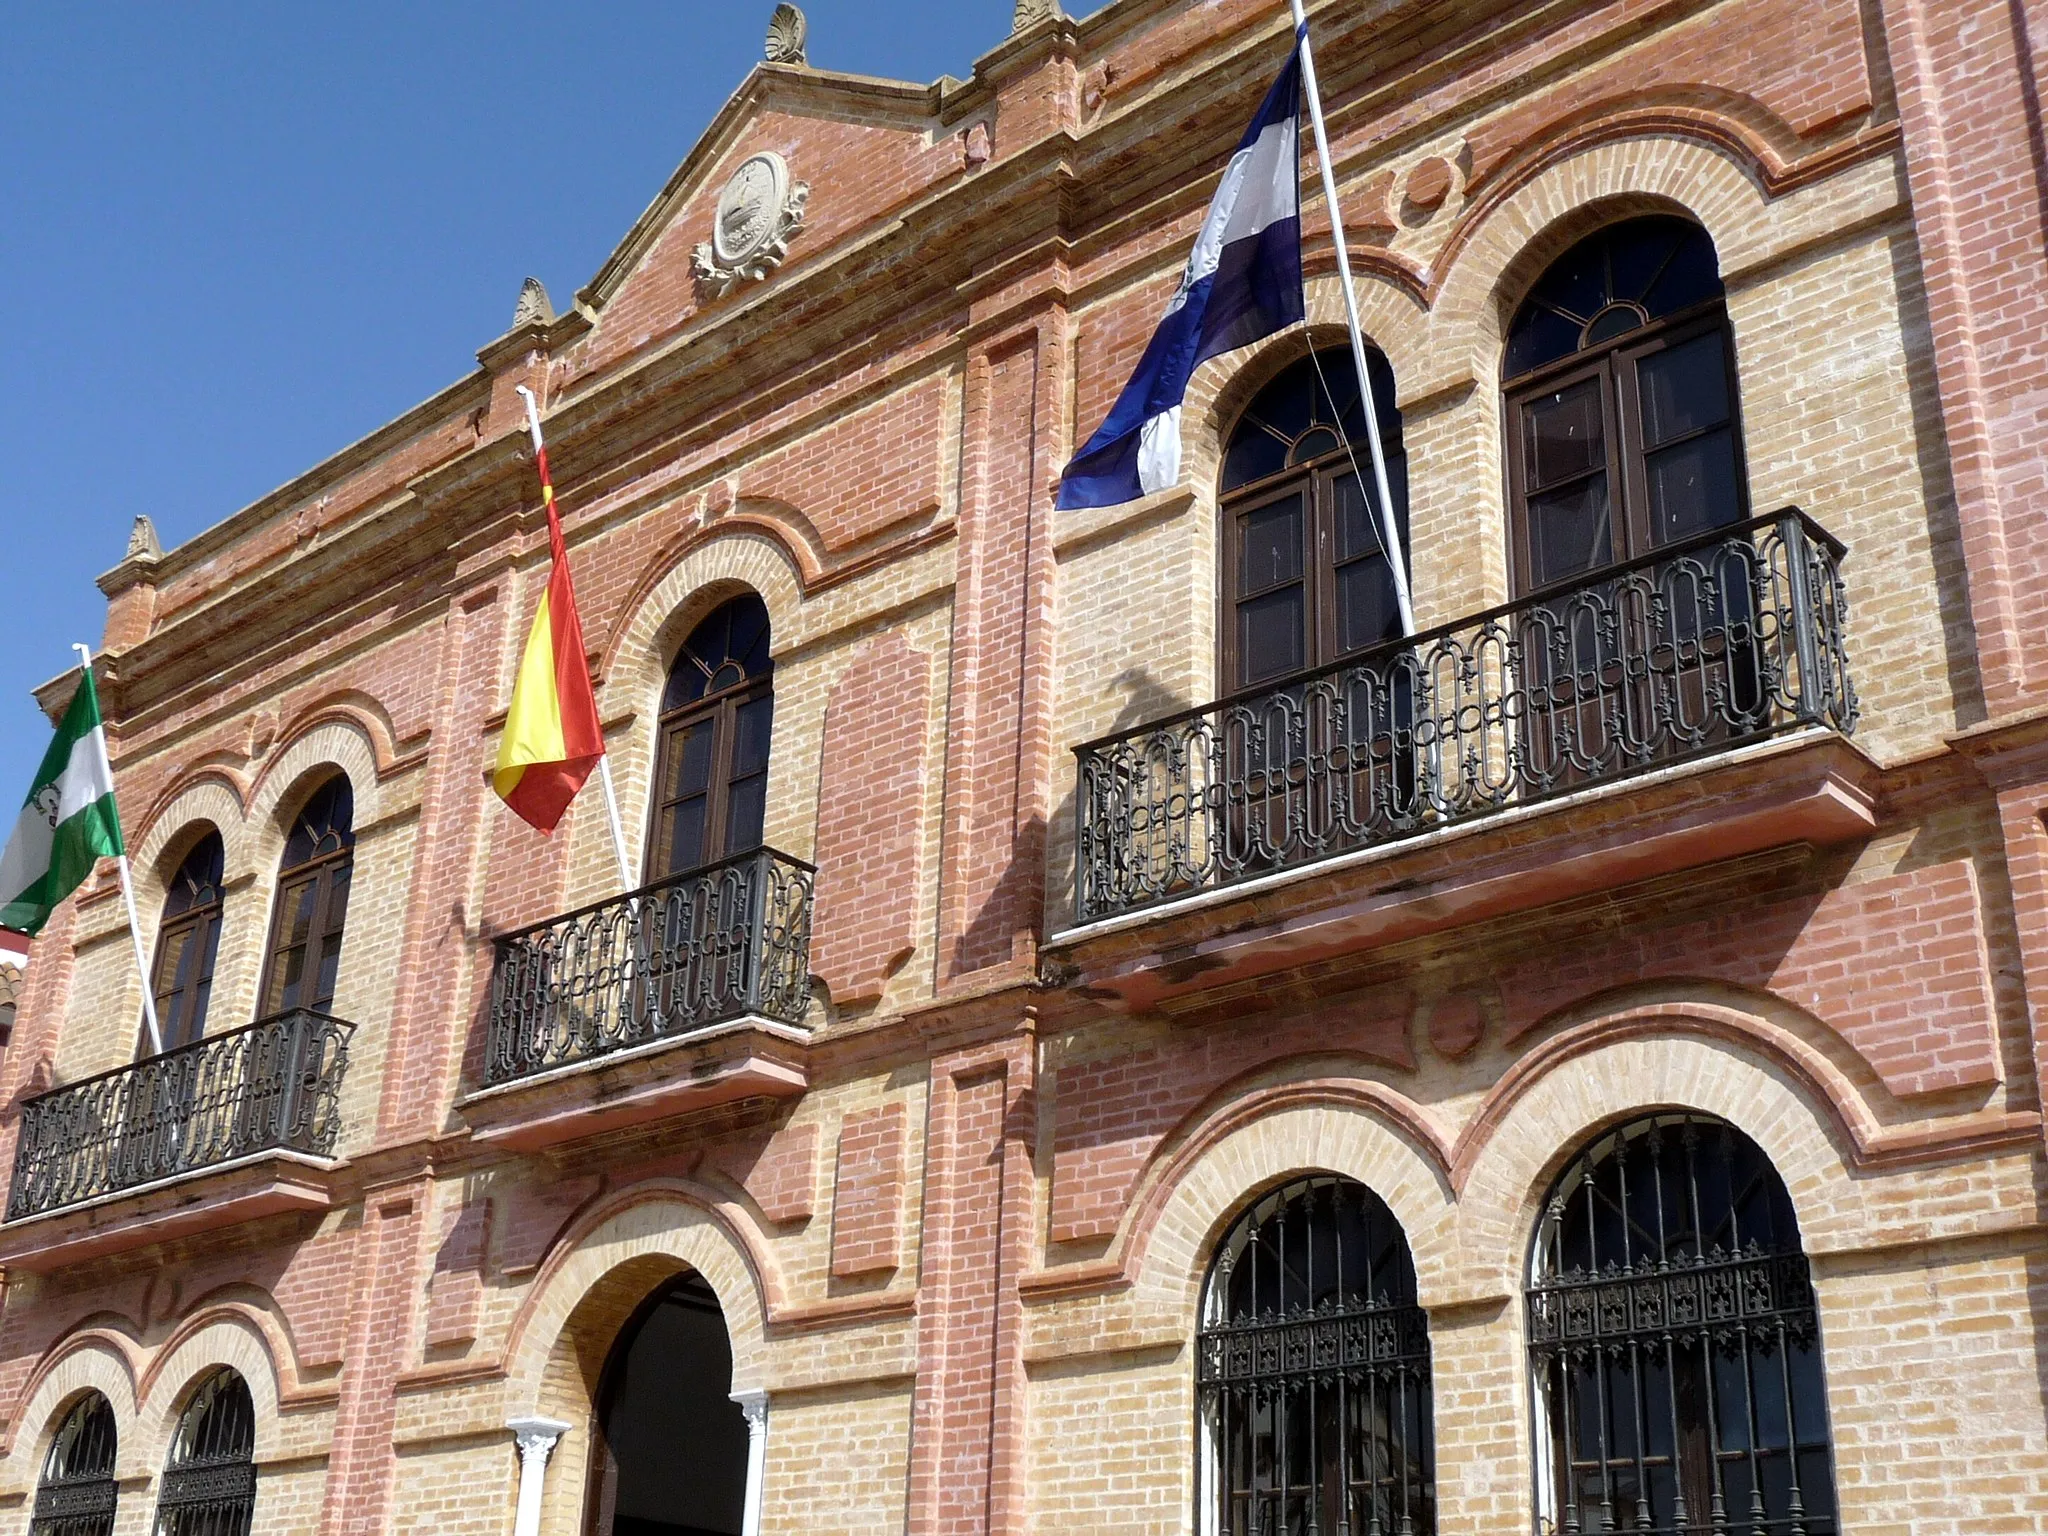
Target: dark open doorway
670 1444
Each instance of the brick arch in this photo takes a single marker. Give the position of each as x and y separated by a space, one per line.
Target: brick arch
232 1335
1536 1121
1390 316
214 796
209 804
591 1283
297 766
1504 239
1243 1147
676 1224
685 581
99 1359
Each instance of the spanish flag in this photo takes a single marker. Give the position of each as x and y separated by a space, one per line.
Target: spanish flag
551 740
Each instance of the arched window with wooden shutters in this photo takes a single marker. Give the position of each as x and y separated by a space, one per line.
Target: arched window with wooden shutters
1305 579
1312 1372
304 954
1624 435
187 941
209 1482
1675 1342
711 766
76 1495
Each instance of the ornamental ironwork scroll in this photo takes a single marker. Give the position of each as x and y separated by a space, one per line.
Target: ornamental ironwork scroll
1675 1343
1312 1372
683 954
1704 646
274 1085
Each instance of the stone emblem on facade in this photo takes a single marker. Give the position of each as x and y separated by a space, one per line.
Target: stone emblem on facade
759 213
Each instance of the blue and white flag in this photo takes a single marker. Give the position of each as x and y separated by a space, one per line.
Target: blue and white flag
1243 281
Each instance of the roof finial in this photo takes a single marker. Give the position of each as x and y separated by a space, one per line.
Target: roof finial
142 541
1030 12
786 32
533 307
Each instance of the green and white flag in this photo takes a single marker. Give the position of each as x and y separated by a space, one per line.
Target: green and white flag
68 822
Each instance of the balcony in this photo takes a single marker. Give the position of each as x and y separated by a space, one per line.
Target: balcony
709 970
246 1100
1700 654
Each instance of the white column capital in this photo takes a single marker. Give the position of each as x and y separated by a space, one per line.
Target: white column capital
536 1438
754 1404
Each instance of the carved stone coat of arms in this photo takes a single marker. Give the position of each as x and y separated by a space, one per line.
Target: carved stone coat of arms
759 212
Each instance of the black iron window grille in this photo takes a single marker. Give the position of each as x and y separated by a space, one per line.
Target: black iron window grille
209 1485
1675 1343
1706 645
274 1085
674 957
1312 1372
77 1493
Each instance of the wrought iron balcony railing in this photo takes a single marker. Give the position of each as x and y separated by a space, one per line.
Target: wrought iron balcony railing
274 1085
671 958
1703 646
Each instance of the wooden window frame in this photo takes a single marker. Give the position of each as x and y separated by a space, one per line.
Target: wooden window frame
1616 364
1317 479
322 870
186 1024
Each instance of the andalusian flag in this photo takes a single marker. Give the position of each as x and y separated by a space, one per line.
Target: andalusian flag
551 739
68 822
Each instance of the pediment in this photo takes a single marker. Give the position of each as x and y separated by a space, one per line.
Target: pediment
863 147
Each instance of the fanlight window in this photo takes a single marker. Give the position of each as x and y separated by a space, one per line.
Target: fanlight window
209 1483
1621 403
312 901
1305 578
1674 1342
77 1493
717 714
1313 1374
187 942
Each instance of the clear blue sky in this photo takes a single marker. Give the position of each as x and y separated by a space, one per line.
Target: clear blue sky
234 239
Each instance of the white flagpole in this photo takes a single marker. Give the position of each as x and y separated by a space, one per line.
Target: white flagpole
604 762
156 1036
1397 558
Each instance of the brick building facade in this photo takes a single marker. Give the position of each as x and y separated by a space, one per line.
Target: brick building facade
1706 851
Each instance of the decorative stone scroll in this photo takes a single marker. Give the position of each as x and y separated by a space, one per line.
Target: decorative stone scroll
533 307
759 213
786 32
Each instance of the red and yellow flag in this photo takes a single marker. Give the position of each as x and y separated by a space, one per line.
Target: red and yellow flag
551 741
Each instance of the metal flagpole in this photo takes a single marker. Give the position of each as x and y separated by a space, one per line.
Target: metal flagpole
604 762
1389 531
156 1035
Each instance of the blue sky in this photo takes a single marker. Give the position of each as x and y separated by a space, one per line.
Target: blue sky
237 238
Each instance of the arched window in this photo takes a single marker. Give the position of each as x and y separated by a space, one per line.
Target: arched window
669 1451
717 713
186 942
209 1484
77 1492
1619 376
1674 1341
1312 1372
1305 579
312 901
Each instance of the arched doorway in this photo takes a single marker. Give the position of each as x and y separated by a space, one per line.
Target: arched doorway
669 1445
